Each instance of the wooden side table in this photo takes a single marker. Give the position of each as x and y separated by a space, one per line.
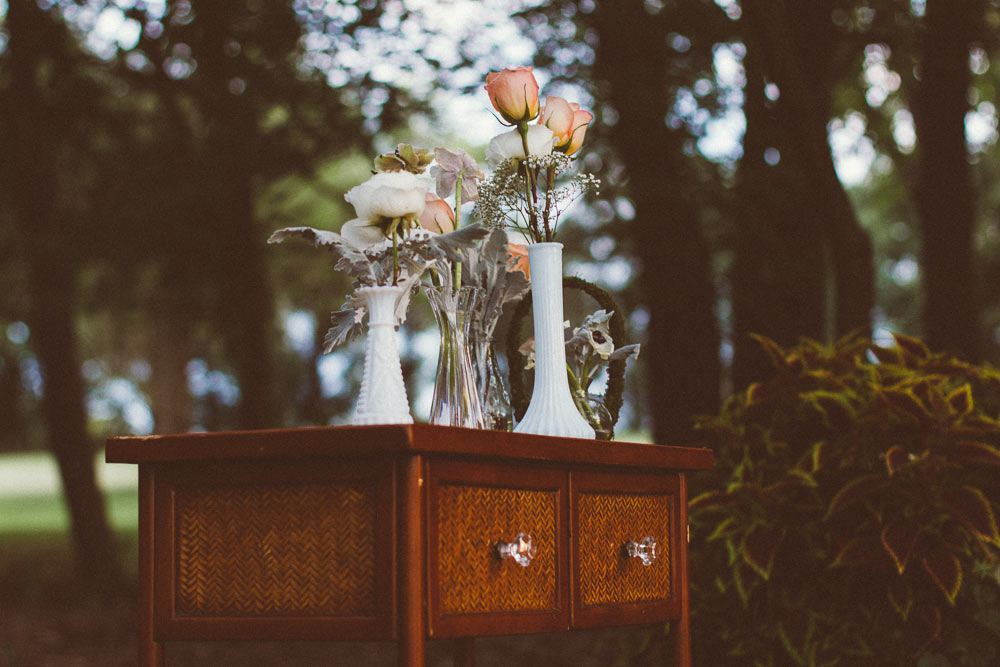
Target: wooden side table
401 532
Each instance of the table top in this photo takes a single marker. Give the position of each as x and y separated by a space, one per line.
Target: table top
399 439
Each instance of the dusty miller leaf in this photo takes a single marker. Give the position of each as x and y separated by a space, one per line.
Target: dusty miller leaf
345 328
349 258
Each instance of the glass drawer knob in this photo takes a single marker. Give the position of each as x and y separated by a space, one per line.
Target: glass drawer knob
644 550
522 549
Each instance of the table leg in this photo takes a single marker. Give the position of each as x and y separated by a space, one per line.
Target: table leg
465 652
412 642
150 650
681 628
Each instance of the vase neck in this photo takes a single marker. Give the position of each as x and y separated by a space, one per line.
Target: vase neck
381 301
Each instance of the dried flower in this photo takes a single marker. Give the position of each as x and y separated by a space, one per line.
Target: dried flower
404 158
454 165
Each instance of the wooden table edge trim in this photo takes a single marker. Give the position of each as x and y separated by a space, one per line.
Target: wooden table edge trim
412 439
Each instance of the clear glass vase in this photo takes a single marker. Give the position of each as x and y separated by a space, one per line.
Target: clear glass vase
456 395
494 397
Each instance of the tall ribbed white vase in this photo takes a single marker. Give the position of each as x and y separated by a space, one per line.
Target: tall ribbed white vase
383 394
551 410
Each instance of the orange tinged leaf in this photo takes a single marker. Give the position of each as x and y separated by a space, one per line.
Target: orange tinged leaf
855 491
971 508
886 355
960 401
898 540
896 458
945 571
968 451
911 347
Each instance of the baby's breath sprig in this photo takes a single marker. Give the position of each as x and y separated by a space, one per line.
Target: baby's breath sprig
504 197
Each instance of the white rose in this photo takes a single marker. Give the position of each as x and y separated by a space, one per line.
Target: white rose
388 194
509 145
362 233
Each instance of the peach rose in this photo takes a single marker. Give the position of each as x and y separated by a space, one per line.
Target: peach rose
514 94
517 259
437 216
568 123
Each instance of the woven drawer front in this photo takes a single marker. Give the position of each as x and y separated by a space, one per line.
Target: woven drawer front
278 550
607 522
472 519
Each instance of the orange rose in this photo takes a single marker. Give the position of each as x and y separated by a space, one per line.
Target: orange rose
568 123
514 93
437 216
517 259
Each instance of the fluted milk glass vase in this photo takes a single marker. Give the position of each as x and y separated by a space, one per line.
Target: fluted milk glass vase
551 410
383 395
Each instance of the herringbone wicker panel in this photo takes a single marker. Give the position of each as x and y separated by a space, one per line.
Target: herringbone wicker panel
607 522
472 579
279 550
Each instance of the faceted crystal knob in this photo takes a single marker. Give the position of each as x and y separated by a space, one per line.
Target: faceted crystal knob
644 550
522 549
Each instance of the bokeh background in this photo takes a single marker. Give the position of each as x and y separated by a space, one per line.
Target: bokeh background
793 169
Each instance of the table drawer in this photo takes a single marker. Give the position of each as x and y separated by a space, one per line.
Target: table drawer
472 508
610 512
274 552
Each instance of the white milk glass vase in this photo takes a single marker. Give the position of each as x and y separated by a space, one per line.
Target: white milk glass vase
551 410
383 395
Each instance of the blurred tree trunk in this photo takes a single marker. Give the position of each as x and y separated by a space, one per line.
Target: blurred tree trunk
681 353
35 49
169 354
945 192
798 44
247 311
779 269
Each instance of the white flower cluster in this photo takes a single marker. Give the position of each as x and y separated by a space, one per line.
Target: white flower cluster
504 197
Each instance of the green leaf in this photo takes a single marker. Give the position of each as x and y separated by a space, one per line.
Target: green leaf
855 491
900 596
945 571
856 551
795 631
724 529
759 547
896 458
709 500
960 401
968 451
773 350
972 509
898 540
835 409
905 403
820 453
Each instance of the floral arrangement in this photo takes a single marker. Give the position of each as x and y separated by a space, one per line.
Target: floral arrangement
405 229
527 160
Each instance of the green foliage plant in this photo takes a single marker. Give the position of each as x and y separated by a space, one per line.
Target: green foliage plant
851 518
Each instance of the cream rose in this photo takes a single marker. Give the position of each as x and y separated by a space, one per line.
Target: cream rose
384 197
509 145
